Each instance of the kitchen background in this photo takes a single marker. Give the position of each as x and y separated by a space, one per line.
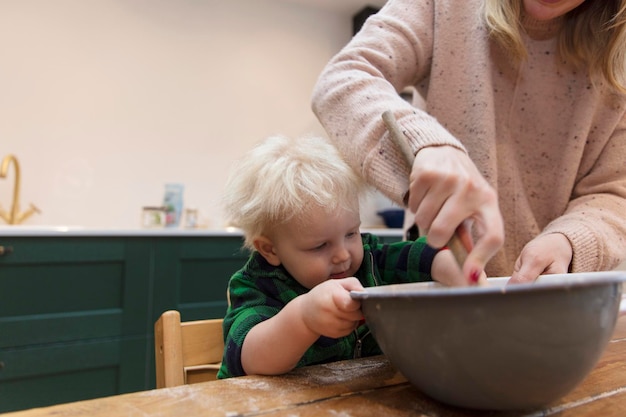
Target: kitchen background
103 102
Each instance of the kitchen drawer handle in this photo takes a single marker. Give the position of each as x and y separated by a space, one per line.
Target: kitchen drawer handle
5 250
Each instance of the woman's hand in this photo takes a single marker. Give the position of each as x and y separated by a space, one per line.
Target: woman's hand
545 254
447 190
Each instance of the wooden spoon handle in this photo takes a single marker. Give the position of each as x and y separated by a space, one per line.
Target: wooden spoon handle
398 137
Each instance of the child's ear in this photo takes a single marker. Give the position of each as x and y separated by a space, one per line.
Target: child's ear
266 248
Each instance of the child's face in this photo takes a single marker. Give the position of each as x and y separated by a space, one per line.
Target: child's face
320 247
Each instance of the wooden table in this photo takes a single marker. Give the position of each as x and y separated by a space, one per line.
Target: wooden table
363 387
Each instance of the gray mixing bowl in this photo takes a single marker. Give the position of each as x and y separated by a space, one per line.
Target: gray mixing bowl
497 346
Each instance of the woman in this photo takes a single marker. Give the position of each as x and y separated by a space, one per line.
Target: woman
518 128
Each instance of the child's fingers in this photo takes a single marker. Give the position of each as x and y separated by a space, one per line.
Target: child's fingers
446 270
342 299
350 284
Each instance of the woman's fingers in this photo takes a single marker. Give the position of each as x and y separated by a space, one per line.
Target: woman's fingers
446 190
546 254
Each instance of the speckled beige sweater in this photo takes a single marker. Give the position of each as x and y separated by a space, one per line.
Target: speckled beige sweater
551 143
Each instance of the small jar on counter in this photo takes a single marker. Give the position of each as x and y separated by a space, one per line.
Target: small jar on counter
153 217
191 218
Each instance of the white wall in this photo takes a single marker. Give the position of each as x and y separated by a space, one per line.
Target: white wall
104 101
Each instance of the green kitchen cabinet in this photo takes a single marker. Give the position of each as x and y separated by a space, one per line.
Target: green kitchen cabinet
77 312
191 275
63 372
72 319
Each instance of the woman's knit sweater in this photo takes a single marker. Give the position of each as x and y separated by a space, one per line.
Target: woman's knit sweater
551 142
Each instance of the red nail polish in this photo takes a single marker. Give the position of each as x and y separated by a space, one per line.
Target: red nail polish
474 277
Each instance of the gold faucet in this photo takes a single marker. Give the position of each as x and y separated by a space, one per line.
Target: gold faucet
15 217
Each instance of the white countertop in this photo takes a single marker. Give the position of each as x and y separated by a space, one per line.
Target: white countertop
58 231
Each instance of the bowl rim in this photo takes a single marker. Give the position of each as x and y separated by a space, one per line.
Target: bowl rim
496 285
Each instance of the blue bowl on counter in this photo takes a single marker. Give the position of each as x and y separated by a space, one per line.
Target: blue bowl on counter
393 218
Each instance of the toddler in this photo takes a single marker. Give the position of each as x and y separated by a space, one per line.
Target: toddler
297 203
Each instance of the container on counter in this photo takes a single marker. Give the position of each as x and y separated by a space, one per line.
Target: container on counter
173 202
191 218
153 217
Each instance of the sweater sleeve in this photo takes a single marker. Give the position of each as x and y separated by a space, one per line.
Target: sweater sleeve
595 218
393 50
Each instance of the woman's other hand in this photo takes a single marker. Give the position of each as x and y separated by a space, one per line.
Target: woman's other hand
546 254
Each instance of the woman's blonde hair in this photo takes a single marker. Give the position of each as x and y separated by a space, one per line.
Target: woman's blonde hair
593 35
282 178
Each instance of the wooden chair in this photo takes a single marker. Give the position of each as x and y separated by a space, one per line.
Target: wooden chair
186 352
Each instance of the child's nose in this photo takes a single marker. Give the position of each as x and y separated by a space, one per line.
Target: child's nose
341 255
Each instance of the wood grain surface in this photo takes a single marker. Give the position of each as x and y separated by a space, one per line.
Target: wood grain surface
362 387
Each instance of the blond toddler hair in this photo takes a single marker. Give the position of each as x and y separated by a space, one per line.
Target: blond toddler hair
281 178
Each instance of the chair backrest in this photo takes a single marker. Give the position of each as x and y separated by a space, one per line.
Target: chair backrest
186 352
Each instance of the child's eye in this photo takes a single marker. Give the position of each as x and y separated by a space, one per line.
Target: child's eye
352 234
320 247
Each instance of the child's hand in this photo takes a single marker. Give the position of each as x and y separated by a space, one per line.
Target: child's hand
446 270
275 345
328 309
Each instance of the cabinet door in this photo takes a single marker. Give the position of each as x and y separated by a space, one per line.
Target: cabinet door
64 289
71 310
192 273
52 374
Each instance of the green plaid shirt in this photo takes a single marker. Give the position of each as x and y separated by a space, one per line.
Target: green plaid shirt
259 291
